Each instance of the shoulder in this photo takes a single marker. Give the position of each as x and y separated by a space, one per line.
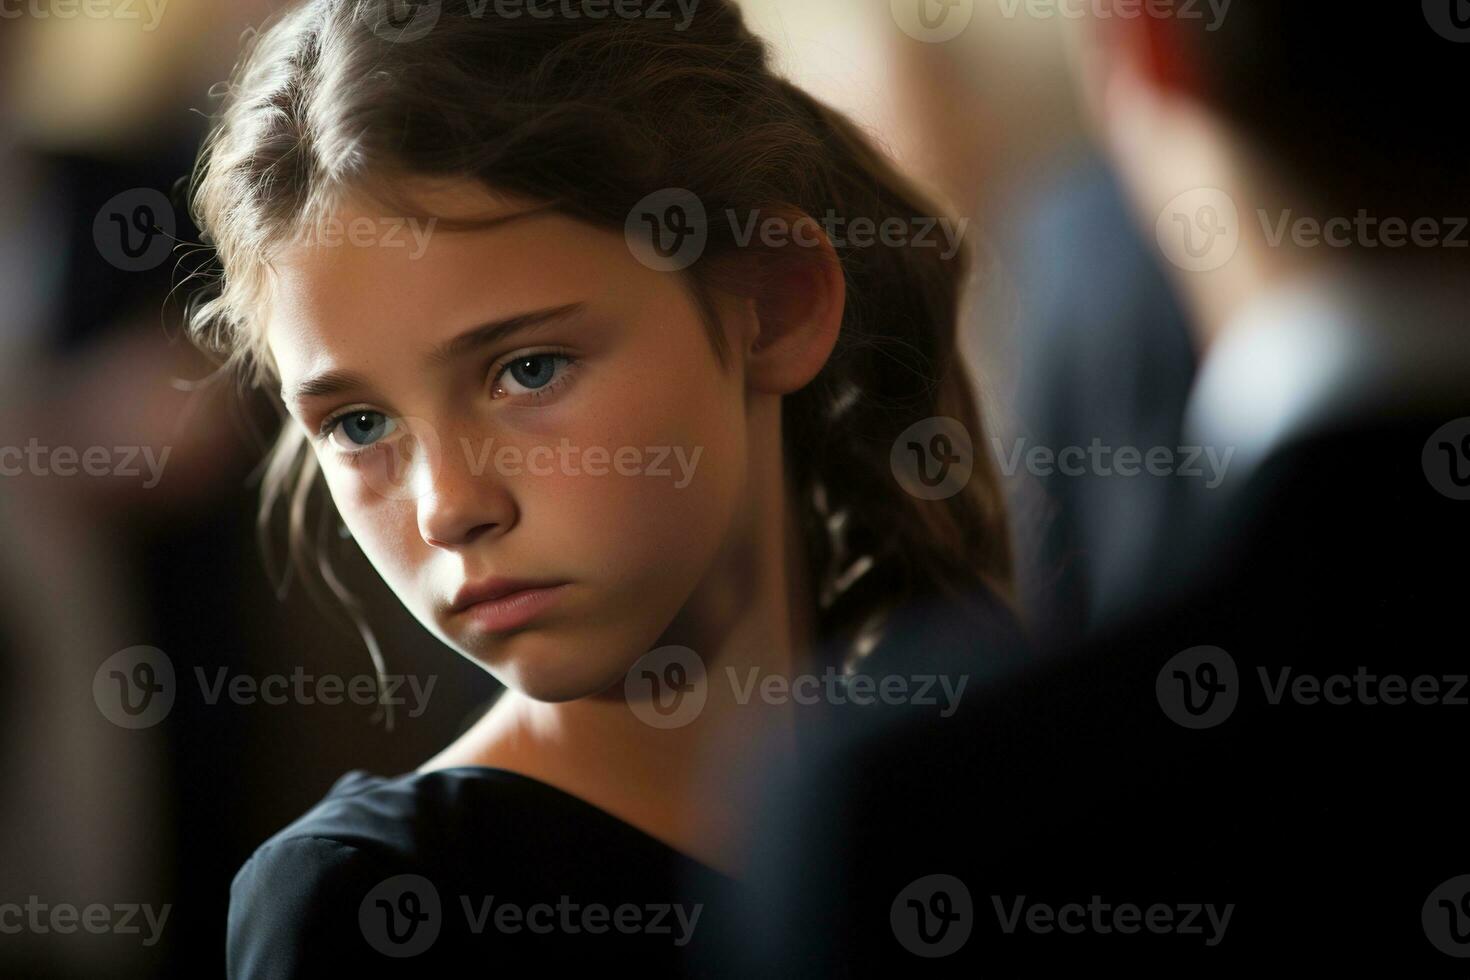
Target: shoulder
293 905
303 901
445 870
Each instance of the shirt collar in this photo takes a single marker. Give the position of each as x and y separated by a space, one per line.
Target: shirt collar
1319 351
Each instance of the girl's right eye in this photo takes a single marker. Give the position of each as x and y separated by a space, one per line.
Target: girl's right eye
359 430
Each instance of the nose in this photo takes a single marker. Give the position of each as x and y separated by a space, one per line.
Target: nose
463 502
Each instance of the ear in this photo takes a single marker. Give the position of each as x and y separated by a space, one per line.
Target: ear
798 310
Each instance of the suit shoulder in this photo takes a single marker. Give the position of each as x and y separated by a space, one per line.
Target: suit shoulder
294 906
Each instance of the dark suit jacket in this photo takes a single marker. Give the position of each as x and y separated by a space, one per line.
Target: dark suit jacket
1269 769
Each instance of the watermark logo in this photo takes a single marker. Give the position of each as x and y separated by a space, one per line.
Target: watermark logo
668 230
1199 231
389 468
1446 917
1199 688
300 687
135 230
933 459
1446 459
135 687
1104 918
401 917
670 686
667 687
404 458
1449 18
933 916
844 232
932 21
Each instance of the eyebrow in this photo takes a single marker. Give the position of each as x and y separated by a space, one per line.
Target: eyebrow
335 382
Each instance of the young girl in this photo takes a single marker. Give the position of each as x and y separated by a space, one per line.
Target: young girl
557 307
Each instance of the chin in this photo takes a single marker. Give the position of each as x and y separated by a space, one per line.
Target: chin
551 666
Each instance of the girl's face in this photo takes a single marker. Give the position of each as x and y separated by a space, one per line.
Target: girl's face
524 408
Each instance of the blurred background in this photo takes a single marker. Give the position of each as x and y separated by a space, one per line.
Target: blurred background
130 476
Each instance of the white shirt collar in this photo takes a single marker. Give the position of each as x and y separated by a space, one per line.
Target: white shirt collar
1302 356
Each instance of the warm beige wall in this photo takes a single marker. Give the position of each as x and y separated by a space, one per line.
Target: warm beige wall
966 115
112 81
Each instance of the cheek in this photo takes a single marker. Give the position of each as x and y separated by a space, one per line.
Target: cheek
666 512
384 529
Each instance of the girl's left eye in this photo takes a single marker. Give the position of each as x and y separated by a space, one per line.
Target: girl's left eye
357 431
530 374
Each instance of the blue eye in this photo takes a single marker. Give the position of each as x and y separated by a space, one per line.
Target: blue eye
533 372
529 374
362 429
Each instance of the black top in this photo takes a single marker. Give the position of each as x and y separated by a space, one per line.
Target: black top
467 867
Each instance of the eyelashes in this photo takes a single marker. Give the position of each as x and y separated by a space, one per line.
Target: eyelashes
525 378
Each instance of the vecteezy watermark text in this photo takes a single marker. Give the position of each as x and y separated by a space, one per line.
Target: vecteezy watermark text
668 687
366 232
1121 9
90 9
136 688
1102 918
1201 687
1097 459
402 916
833 687
776 231
589 9
1363 230
35 459
38 917
569 460
402 21
669 230
1201 230
595 918
300 687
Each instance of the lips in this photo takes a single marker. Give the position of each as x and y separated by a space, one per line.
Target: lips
497 605
492 589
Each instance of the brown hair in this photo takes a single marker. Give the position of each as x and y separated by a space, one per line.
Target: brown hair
591 116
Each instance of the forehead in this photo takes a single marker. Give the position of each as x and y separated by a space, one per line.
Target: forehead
365 279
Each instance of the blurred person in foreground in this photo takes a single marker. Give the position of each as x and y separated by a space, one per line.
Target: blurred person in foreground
1104 367
1266 765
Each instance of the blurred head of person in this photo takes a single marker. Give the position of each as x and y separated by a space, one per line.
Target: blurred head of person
433 238
1330 131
